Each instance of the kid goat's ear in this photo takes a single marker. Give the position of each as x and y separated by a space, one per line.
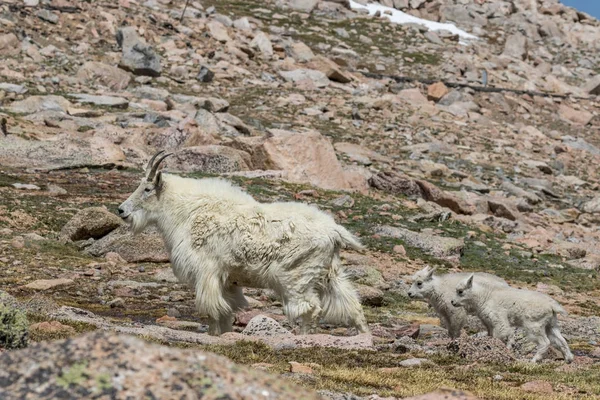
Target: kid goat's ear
430 271
470 281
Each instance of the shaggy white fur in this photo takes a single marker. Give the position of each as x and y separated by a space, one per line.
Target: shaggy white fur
439 290
219 238
504 308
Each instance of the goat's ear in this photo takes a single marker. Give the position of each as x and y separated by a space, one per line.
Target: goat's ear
430 272
470 281
158 181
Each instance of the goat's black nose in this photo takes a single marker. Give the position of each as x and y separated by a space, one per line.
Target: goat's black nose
120 211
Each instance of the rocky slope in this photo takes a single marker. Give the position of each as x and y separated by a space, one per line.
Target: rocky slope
476 151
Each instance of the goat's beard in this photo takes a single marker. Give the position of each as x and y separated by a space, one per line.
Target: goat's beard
138 221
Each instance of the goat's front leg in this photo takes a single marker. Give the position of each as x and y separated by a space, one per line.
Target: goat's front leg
210 301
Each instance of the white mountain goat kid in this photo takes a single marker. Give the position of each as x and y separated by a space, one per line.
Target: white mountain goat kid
439 290
219 239
504 308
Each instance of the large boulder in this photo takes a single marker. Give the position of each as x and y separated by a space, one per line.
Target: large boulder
213 159
35 104
148 246
63 151
593 85
93 222
104 74
516 46
137 57
9 45
307 157
119 366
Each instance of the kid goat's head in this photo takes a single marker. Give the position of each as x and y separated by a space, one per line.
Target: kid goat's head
422 286
464 293
139 208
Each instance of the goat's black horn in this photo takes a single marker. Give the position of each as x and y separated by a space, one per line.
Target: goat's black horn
151 161
156 165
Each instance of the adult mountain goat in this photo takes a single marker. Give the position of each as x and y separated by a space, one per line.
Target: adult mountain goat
219 239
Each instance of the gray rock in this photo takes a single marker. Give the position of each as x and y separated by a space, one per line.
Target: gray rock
317 77
104 74
47 15
137 57
303 5
242 24
209 123
93 222
148 246
262 325
300 52
12 88
516 46
205 75
25 186
593 85
413 362
107 101
35 104
433 37
437 246
150 93
262 42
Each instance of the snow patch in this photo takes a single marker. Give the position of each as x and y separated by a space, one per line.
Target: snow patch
400 17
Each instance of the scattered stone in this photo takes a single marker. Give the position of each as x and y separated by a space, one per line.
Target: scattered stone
538 387
148 246
25 186
577 117
593 85
103 74
36 104
12 88
414 362
46 284
318 78
117 303
93 222
444 394
437 246
47 15
298 368
262 325
436 91
137 57
50 330
107 101
205 75
262 42
481 349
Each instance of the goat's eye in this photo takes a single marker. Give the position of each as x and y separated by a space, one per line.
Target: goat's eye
460 292
419 284
148 189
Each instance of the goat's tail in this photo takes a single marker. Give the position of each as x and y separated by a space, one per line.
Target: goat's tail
558 309
341 304
348 240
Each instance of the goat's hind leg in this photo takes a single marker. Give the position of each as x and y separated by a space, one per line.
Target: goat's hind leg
538 334
557 339
234 295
